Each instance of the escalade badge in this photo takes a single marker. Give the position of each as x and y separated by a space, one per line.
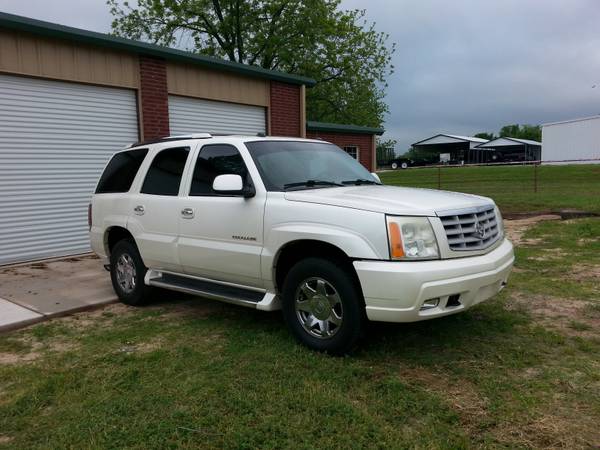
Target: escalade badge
479 230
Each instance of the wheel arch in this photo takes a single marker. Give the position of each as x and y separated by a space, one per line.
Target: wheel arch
114 234
294 251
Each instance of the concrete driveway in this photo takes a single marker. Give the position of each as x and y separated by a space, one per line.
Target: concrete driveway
34 292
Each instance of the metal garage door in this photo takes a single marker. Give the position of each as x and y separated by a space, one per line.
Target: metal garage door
191 115
55 139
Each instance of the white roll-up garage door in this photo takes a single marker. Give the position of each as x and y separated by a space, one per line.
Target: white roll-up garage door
192 115
55 138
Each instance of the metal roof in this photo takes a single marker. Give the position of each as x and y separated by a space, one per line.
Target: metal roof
337 128
41 28
580 119
454 138
508 141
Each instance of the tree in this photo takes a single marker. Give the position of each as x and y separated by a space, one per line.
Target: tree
485 135
346 55
532 132
385 150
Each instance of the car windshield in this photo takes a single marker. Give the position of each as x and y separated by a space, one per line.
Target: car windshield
293 165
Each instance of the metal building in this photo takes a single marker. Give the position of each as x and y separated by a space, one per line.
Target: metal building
508 149
450 148
574 139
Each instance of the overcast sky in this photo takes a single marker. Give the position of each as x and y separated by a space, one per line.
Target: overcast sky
462 66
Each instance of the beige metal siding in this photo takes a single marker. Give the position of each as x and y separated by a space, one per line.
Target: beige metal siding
208 84
55 138
26 54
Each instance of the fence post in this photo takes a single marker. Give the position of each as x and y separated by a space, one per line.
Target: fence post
535 178
439 177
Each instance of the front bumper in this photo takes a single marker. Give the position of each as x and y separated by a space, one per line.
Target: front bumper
395 291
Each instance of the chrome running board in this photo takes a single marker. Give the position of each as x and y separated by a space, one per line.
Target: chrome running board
225 292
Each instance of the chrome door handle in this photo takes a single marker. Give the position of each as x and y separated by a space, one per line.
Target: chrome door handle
187 213
139 210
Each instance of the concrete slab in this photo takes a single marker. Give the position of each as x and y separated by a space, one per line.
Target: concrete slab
57 287
14 316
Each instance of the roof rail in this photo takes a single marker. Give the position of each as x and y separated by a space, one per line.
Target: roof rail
171 138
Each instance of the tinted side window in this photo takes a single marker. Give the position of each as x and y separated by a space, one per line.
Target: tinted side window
120 171
214 160
164 174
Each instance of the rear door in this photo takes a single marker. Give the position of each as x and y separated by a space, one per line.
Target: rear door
221 237
154 211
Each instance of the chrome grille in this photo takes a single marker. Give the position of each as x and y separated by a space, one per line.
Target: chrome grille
474 229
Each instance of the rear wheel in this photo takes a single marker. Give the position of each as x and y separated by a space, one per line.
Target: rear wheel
394 165
322 306
127 273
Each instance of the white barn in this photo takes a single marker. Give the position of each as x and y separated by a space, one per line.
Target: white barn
571 140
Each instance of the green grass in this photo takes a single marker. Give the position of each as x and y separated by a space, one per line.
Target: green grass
512 187
189 373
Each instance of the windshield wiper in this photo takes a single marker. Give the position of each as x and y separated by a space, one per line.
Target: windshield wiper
311 183
360 181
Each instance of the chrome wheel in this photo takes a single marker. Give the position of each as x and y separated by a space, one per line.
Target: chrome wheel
318 308
126 274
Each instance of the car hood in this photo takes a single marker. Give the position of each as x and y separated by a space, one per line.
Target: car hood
389 199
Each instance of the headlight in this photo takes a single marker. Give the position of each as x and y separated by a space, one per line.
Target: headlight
500 222
411 238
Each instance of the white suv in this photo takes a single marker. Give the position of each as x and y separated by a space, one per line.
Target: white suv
292 224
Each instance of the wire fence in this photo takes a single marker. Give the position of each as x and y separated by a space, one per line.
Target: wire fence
521 186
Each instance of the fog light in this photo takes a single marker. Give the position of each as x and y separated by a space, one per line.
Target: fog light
431 303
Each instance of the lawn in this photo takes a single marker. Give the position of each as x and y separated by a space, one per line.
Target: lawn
521 370
512 187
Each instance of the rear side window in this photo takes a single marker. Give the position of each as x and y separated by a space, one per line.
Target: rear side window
214 160
164 174
120 171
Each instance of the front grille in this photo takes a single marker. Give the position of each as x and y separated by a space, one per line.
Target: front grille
471 230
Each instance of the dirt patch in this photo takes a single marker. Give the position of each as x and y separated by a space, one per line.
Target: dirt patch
516 228
463 398
560 429
5 439
584 272
558 313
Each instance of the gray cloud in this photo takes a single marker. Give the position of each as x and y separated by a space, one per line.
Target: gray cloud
461 67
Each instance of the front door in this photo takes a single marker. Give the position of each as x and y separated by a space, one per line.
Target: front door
221 236
155 211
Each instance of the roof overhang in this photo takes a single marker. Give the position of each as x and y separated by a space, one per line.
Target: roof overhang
53 30
508 142
339 128
440 139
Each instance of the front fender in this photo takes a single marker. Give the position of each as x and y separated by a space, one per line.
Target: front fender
352 243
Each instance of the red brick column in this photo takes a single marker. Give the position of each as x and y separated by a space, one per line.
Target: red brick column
154 97
285 110
364 142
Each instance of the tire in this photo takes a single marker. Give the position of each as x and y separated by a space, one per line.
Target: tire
404 165
305 316
394 165
125 252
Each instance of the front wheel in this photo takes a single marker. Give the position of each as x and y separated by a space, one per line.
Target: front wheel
323 306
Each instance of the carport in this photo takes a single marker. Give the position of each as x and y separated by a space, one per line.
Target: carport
508 149
450 148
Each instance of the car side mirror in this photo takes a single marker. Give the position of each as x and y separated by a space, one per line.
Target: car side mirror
376 176
231 184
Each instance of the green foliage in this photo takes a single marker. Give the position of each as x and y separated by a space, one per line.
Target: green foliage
349 59
532 132
488 136
385 150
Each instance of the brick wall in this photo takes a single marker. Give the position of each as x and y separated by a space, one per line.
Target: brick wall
285 109
364 142
154 97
